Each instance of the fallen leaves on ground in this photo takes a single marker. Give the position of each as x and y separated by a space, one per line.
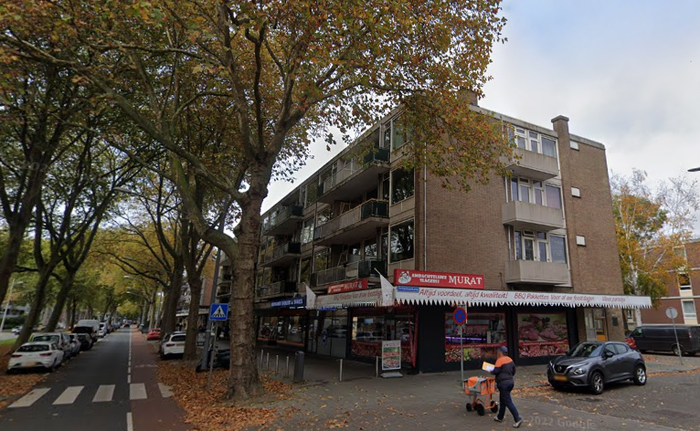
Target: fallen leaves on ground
17 384
207 409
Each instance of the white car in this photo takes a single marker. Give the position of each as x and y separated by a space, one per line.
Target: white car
102 331
36 355
60 339
173 345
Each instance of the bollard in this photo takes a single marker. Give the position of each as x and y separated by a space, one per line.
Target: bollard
267 361
298 367
277 364
262 352
286 374
376 366
341 371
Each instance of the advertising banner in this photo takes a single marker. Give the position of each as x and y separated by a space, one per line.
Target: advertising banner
409 277
348 286
391 355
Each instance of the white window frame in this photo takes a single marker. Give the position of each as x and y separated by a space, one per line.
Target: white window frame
532 235
689 315
536 141
684 287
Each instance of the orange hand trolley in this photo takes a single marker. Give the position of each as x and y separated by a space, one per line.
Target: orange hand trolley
480 391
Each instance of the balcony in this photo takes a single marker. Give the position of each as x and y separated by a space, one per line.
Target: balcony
355 177
536 272
350 271
523 215
280 288
358 223
285 221
534 165
283 254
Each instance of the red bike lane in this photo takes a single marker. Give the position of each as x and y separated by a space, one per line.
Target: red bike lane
152 405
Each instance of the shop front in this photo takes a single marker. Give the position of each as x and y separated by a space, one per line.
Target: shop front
283 324
533 325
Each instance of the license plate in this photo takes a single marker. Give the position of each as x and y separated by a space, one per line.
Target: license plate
561 378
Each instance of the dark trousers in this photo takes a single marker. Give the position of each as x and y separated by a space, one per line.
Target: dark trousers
505 400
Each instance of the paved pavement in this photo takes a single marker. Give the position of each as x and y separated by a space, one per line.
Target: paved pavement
112 387
435 401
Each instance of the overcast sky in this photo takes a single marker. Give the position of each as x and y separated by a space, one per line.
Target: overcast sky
626 73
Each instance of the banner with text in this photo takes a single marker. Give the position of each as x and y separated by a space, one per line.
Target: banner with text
408 277
429 295
348 286
369 298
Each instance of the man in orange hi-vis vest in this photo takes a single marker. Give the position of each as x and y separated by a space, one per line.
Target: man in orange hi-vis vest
505 380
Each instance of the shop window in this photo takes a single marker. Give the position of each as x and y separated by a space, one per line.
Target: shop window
542 334
481 335
402 241
684 281
368 332
402 185
291 330
268 328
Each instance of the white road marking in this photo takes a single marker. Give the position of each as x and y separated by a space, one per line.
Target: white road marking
30 398
165 390
129 422
137 391
68 396
104 394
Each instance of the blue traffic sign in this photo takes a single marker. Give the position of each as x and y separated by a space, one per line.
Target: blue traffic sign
218 312
460 316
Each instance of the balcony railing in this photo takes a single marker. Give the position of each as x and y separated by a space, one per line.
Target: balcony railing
276 289
370 209
534 165
350 271
354 176
282 252
284 221
536 272
525 215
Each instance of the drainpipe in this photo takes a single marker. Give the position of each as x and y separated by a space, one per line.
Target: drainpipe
425 218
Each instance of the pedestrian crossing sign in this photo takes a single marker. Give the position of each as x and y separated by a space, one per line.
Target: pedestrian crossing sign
218 312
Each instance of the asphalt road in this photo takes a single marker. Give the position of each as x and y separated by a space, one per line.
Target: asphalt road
112 387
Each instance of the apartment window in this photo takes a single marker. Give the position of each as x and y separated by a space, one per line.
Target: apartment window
535 192
689 309
557 245
402 184
322 260
311 193
684 281
371 249
553 195
324 216
307 231
540 246
402 241
305 271
549 147
533 141
385 187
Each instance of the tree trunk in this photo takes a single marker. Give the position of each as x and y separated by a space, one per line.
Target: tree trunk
9 257
35 310
170 300
244 381
66 285
193 316
73 310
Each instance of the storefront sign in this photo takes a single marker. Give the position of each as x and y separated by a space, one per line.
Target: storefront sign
368 297
289 303
409 277
429 295
391 355
348 286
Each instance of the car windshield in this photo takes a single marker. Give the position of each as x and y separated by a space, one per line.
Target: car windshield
49 338
34 348
82 329
178 338
585 350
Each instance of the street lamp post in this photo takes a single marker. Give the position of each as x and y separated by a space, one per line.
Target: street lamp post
9 301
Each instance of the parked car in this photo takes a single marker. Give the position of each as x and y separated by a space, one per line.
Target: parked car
88 330
36 355
17 329
662 338
61 339
102 330
173 345
154 334
92 323
594 364
75 342
85 341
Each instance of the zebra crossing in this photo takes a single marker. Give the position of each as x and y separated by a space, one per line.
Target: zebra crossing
103 394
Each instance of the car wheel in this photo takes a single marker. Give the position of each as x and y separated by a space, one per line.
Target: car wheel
53 367
640 375
557 387
677 350
597 383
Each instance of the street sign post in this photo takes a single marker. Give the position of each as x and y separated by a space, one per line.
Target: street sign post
672 313
460 318
218 312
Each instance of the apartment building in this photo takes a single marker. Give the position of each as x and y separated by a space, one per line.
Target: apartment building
532 255
681 291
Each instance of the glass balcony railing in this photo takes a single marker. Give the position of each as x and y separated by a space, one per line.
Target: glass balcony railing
354 168
276 289
372 208
286 216
350 271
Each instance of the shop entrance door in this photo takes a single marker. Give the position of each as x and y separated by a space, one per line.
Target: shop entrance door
596 328
332 339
